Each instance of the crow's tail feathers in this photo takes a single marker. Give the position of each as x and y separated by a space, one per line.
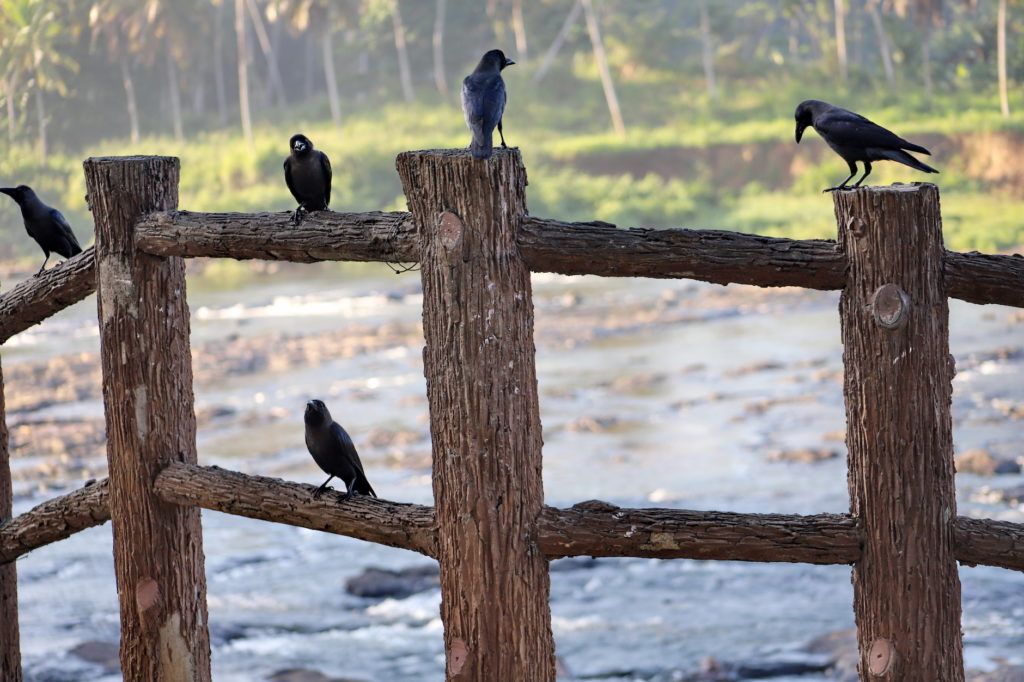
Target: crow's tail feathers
481 147
907 160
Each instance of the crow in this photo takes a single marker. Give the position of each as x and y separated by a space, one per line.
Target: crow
333 451
307 172
855 138
483 102
44 224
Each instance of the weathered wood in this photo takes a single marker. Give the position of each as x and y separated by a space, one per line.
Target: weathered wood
55 519
985 278
10 637
407 526
39 297
716 256
322 235
897 385
484 413
148 402
988 542
601 529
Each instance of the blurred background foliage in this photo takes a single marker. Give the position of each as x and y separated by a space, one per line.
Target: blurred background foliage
637 112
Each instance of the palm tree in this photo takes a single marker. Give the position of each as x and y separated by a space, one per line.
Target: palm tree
121 25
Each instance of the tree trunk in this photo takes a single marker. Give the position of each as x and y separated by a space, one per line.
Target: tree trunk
219 79
10 641
243 72
175 94
150 420
41 120
130 101
707 51
884 44
519 29
840 15
273 70
327 45
484 415
898 376
594 29
1004 98
403 56
440 79
926 63
559 40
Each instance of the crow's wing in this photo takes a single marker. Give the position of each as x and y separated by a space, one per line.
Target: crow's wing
288 179
67 243
847 129
325 165
345 444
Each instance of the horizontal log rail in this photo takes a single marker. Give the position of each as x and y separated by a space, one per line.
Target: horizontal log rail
41 296
716 256
590 528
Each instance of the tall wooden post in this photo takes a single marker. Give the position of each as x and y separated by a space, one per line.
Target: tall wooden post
898 374
147 394
10 641
484 414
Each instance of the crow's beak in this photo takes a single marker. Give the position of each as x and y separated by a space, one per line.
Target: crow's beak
799 132
9 191
509 62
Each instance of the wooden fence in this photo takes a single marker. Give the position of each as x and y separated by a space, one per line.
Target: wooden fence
489 529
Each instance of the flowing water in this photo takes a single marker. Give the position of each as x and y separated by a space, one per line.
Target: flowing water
653 393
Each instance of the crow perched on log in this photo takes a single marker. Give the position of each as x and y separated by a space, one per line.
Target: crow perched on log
44 223
333 451
855 138
483 102
307 172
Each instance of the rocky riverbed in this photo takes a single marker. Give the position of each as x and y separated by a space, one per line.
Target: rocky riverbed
653 393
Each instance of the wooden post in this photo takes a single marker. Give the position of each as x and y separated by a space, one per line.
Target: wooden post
484 414
10 642
898 374
147 394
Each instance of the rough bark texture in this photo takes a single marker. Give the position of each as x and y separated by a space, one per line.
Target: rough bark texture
717 256
408 526
147 394
989 543
600 529
42 296
55 519
10 638
323 235
897 385
484 413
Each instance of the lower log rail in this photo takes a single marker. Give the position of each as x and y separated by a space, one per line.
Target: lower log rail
592 528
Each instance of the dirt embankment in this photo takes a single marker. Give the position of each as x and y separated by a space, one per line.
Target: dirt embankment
993 158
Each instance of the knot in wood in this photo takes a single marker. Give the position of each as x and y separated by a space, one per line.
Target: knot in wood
890 306
449 228
855 225
880 657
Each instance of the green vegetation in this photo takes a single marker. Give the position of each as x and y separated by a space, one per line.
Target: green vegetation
159 77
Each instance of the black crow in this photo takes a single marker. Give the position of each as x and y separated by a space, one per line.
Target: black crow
307 172
855 138
44 224
483 102
333 451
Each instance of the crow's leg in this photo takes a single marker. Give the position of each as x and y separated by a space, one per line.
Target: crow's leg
867 171
350 490
43 266
842 185
298 215
501 135
320 491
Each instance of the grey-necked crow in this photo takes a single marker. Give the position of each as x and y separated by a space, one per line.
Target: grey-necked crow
307 172
855 138
333 451
483 102
44 223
